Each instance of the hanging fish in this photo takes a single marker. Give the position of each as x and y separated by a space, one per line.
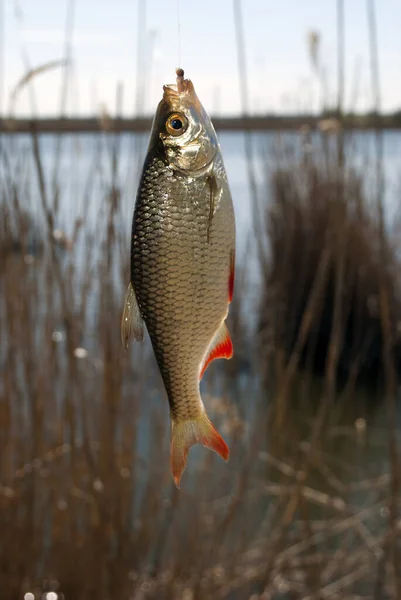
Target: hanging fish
182 262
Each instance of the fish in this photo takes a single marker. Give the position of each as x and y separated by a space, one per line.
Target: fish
182 263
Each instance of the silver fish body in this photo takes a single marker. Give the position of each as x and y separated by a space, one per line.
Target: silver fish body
182 263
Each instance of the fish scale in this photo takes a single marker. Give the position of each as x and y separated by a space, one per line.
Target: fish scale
182 253
171 288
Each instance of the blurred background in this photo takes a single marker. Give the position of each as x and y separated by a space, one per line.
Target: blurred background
307 106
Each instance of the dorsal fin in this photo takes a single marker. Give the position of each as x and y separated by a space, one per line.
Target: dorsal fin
220 347
132 327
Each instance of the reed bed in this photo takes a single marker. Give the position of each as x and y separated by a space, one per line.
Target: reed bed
308 505
322 266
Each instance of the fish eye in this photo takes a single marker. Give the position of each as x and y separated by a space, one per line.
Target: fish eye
176 124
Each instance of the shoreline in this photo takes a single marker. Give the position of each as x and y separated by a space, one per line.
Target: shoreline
143 124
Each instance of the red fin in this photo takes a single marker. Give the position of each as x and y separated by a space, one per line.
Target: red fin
185 434
231 276
221 347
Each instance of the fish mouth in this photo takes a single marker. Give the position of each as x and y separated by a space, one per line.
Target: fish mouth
181 87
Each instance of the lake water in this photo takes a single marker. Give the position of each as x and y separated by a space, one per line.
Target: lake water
84 170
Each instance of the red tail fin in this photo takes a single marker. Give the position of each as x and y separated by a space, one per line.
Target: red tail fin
185 434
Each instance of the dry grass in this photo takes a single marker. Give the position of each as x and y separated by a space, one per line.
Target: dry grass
87 506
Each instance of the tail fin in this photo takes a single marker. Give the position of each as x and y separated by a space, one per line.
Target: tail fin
185 434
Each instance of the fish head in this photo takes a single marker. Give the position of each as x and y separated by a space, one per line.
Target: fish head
183 130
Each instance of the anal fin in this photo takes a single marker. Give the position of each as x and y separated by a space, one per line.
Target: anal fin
220 347
132 326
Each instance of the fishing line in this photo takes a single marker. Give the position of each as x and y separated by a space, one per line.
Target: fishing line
179 33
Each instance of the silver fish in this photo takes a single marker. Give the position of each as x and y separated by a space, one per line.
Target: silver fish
182 262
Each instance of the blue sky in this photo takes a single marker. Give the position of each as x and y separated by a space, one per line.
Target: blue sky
280 74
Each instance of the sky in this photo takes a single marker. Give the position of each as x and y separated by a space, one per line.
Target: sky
106 37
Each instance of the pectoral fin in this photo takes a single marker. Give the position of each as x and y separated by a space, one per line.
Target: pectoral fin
132 326
231 275
215 196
